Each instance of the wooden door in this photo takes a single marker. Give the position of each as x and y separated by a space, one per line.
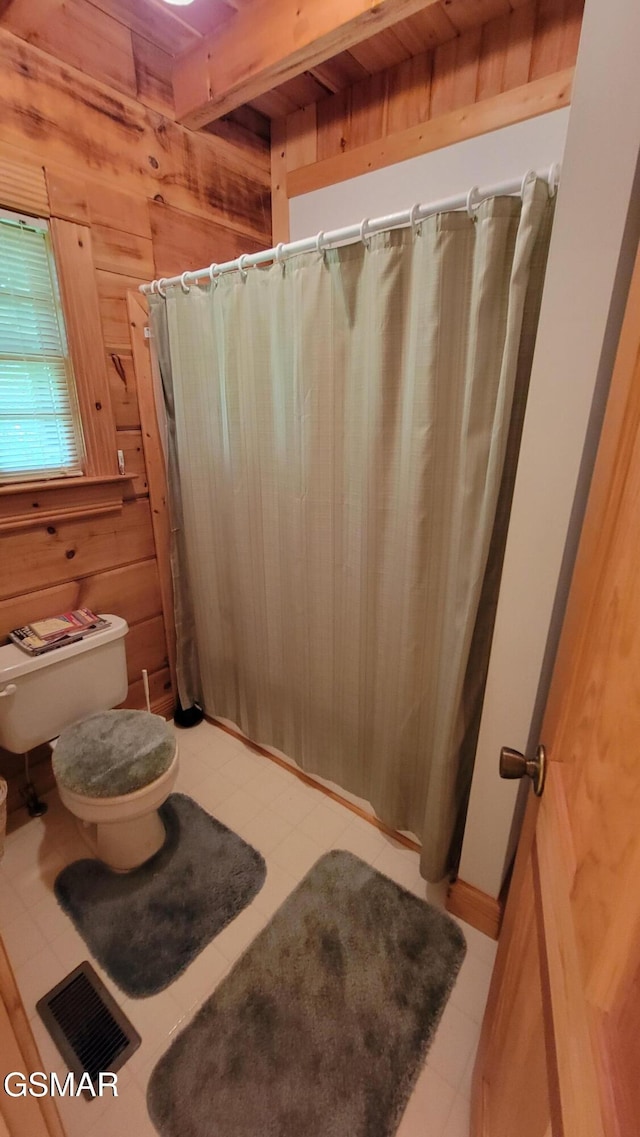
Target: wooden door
559 1053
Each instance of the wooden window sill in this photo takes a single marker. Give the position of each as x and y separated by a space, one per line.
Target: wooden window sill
25 505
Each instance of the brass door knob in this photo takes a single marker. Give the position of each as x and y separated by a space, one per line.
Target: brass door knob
513 764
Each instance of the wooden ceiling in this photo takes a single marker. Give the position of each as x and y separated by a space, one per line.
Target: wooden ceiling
176 30
171 32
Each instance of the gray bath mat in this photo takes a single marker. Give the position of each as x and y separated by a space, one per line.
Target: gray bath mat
145 927
321 1027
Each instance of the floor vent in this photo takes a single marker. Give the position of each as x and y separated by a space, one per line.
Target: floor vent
87 1025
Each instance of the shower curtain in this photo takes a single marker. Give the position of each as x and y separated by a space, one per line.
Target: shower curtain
346 429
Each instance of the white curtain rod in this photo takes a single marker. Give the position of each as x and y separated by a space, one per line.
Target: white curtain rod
360 232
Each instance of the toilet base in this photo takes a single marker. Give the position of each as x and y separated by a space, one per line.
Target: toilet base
126 831
124 845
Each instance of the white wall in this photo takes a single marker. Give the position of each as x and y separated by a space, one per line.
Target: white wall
495 157
593 245
587 277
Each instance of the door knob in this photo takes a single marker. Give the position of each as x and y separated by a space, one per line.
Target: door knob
513 764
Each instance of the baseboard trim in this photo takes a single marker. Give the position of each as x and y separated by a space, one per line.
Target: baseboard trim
164 706
477 908
308 780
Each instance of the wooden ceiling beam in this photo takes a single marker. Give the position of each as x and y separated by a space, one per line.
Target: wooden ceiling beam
269 42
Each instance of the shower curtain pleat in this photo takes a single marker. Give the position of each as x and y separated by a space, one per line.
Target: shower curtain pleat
187 671
342 426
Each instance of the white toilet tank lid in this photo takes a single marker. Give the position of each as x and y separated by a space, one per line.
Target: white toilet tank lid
15 662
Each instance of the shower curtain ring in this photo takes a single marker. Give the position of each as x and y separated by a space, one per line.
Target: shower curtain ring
530 174
280 254
183 283
242 270
320 243
553 179
366 240
160 290
473 199
152 287
212 274
414 220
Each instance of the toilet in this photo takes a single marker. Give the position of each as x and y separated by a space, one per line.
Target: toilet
113 768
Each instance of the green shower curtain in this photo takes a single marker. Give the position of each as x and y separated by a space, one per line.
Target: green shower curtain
342 424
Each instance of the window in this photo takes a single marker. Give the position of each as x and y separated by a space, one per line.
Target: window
40 433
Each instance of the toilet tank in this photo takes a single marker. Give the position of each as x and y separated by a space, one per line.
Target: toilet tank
40 695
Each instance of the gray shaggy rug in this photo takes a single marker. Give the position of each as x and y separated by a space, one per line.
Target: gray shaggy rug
146 926
321 1027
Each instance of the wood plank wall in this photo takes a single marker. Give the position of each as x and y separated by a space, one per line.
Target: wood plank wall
535 40
155 199
84 36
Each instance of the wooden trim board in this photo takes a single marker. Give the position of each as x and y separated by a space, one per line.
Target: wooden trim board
477 908
74 257
164 707
22 1117
155 466
24 506
531 99
279 199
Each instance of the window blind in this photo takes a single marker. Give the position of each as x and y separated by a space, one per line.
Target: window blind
40 432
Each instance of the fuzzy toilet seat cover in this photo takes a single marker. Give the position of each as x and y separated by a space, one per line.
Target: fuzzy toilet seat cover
113 753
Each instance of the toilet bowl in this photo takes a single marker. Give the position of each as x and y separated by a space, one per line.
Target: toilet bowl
123 831
114 770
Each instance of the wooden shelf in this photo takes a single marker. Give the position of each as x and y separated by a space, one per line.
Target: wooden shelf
26 505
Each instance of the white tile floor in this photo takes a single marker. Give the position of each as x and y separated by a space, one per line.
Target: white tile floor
292 825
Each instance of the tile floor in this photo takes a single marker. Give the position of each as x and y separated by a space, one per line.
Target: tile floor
292 825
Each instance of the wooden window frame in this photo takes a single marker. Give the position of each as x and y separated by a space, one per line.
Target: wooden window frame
100 488
73 255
